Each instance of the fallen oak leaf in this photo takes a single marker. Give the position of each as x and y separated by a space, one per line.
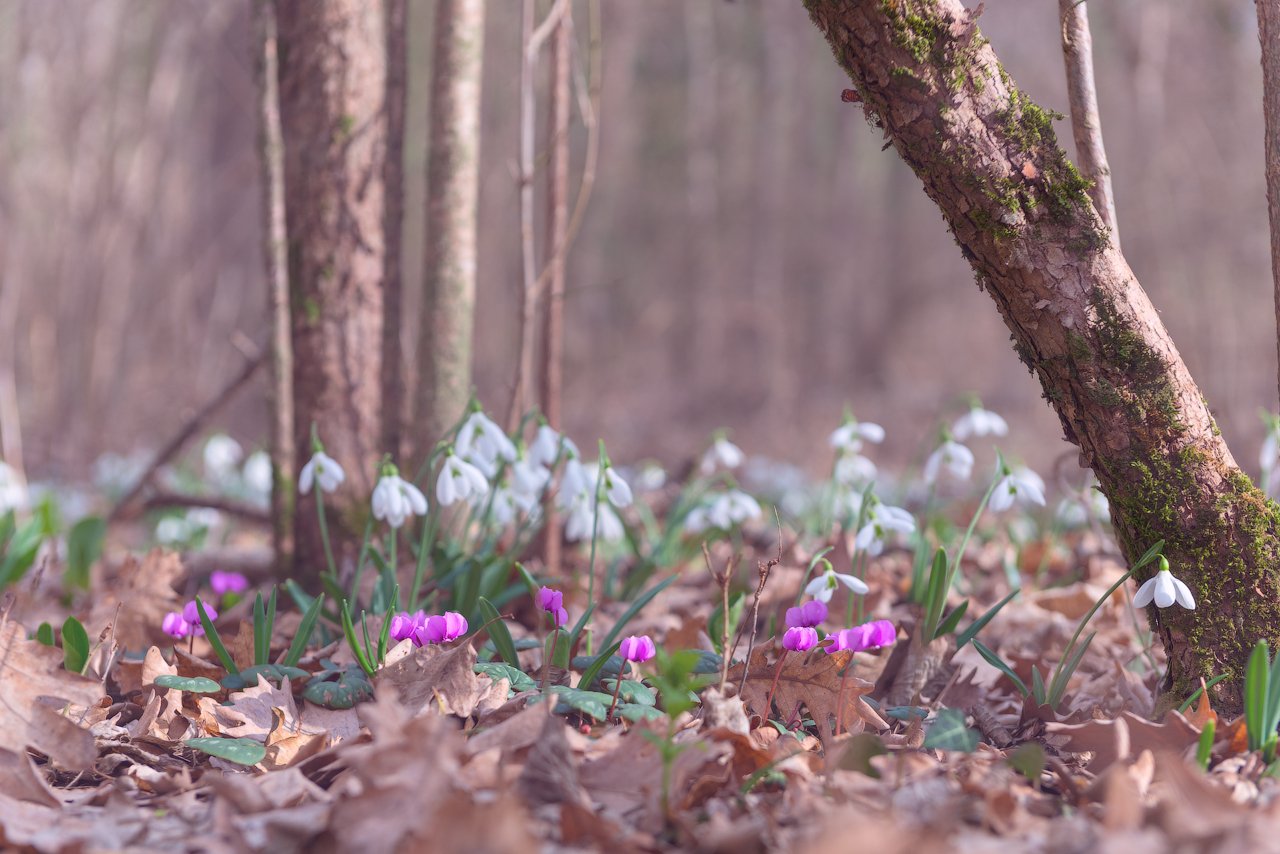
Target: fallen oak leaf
441 678
1126 736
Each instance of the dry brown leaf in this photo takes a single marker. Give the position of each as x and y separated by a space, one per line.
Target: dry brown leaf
813 681
19 779
1126 736
550 775
34 686
251 713
144 592
1203 711
440 680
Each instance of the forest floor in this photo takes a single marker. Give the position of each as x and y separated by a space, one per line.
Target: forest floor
449 754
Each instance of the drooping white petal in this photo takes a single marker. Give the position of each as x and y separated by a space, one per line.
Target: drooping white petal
1145 593
1182 593
306 475
617 489
1166 590
1002 497
852 582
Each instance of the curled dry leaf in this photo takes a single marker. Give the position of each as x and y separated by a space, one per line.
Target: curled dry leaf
444 680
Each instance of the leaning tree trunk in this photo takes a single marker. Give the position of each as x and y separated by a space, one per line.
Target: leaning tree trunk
453 196
1081 322
332 83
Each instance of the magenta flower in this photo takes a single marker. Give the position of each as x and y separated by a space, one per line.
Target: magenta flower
552 601
192 616
403 625
809 614
441 628
871 635
228 582
800 638
174 626
638 649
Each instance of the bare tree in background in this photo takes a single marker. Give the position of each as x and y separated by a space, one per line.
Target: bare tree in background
332 85
276 256
449 294
988 156
393 396
1086 124
1269 36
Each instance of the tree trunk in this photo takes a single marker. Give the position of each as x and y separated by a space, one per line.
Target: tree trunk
1269 35
1086 125
1080 321
393 393
275 255
332 84
449 295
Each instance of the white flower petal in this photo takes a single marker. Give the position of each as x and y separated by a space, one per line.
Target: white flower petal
1182 593
1166 592
1145 593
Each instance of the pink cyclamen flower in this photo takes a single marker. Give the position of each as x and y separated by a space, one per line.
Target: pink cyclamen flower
192 616
638 649
441 628
871 635
800 639
809 614
174 626
552 601
228 582
403 625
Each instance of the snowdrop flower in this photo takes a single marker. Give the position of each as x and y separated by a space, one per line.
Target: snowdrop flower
481 439
953 458
800 639
257 473
172 530
650 477
395 499
576 481
721 453
871 635
221 456
545 449
615 488
1077 510
979 422
1163 589
174 626
13 492
823 587
529 478
698 520
880 521
733 508
638 649
850 435
323 470
854 470
227 582
552 601
811 613
578 527
1023 484
459 480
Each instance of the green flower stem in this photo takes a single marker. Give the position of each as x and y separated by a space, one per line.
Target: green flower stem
324 532
973 523
425 547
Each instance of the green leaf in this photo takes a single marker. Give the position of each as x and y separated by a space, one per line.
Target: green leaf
75 646
1255 694
715 625
339 688
998 663
604 661
1066 669
1204 749
274 673
44 634
1028 760
84 545
557 649
1037 686
303 637
936 594
194 684
1149 555
858 753
242 751
1271 719
215 641
259 628
632 691
636 713
357 649
636 607
495 670
1195 695
981 623
499 633
949 623
20 552
948 732
593 704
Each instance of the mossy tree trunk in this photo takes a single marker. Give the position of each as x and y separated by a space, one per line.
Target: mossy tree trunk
1022 216
332 88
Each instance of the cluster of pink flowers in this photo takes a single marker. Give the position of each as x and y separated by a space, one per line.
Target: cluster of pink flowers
223 583
552 601
871 635
423 629
810 614
186 623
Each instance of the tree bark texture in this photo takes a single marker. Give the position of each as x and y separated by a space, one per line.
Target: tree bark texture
332 84
1086 124
393 391
1269 36
1021 213
276 258
449 295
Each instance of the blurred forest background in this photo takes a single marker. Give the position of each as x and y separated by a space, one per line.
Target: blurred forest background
749 259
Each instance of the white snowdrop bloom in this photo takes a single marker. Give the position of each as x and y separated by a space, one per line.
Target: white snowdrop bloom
979 422
741 507
882 520
173 530
13 492
698 520
950 457
395 500
1077 510
855 470
321 469
578 527
221 456
823 587
649 478
617 490
545 449
850 435
1023 484
459 480
257 474
1164 590
846 502
528 478
577 479
481 439
204 517
722 453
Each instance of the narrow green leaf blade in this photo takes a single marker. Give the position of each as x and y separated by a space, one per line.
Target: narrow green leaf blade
75 645
499 633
